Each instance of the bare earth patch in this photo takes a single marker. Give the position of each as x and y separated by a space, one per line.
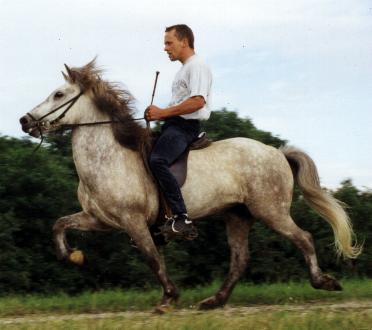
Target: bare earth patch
350 306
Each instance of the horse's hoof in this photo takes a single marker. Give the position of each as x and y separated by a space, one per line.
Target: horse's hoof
76 257
328 282
210 303
163 309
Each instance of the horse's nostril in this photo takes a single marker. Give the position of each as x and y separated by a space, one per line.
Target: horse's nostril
23 120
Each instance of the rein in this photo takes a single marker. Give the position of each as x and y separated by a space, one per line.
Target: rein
67 126
39 123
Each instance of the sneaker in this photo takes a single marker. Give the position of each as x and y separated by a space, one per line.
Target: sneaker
183 227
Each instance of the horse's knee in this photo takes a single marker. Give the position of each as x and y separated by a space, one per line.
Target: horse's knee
59 225
62 247
240 252
62 224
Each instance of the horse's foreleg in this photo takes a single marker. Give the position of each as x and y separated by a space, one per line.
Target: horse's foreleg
79 221
237 226
144 242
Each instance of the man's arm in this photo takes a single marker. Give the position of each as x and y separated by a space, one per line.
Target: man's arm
190 105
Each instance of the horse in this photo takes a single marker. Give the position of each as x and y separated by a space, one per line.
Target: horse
243 179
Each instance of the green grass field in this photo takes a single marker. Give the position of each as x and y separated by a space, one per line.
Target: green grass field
324 318
134 300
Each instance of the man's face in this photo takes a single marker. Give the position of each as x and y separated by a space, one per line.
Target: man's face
173 46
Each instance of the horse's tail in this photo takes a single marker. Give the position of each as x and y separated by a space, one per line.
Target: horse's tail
306 176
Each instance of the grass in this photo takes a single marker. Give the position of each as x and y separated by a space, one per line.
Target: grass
134 300
213 320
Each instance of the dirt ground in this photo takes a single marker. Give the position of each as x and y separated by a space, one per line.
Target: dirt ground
350 306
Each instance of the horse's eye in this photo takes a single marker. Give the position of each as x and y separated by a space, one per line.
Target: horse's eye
58 95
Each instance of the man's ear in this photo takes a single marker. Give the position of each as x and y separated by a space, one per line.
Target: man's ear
185 43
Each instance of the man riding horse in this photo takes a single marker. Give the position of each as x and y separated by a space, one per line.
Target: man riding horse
191 94
242 179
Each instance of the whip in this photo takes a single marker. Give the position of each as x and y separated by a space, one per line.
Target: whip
152 99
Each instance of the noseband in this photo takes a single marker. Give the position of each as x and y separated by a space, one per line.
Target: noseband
71 102
40 123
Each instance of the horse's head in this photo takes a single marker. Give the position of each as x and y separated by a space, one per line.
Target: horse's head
87 99
62 106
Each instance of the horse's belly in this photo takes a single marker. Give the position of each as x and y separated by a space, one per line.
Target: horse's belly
214 180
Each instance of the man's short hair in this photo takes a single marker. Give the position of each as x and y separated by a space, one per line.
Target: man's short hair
182 32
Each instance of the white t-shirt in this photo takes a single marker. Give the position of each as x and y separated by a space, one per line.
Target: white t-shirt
193 79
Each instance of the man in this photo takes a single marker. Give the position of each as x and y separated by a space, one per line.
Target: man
191 93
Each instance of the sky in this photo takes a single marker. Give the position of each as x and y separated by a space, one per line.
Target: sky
299 69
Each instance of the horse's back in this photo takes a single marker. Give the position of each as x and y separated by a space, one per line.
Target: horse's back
236 151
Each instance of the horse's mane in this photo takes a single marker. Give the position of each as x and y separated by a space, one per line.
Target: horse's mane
113 100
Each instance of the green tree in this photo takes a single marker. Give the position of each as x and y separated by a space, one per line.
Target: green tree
38 188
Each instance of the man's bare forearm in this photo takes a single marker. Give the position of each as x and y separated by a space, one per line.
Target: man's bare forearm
188 106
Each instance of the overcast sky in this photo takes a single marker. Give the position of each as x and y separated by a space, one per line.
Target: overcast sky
299 69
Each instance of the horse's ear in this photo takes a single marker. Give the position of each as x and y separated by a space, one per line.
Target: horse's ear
68 70
65 76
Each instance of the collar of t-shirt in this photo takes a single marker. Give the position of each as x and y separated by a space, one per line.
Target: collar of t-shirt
192 57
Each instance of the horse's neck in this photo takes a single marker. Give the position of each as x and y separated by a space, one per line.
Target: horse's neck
95 149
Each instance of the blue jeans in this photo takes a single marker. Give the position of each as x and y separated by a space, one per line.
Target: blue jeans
176 135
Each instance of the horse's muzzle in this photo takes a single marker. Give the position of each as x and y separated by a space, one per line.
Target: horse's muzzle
29 126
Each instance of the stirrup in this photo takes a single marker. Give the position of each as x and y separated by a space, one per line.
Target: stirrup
166 229
169 232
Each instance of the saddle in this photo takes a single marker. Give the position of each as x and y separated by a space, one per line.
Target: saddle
179 170
179 167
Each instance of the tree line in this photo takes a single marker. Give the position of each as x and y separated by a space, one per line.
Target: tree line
37 188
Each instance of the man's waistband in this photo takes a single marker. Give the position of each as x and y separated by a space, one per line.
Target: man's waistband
179 119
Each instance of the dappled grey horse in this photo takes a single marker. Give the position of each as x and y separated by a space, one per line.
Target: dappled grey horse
243 178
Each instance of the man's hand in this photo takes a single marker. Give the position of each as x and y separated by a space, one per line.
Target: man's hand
190 105
153 112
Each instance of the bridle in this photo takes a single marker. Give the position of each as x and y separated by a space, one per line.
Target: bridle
71 102
39 123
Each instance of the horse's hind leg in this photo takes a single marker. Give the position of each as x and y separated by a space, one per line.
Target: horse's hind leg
238 224
285 226
79 221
